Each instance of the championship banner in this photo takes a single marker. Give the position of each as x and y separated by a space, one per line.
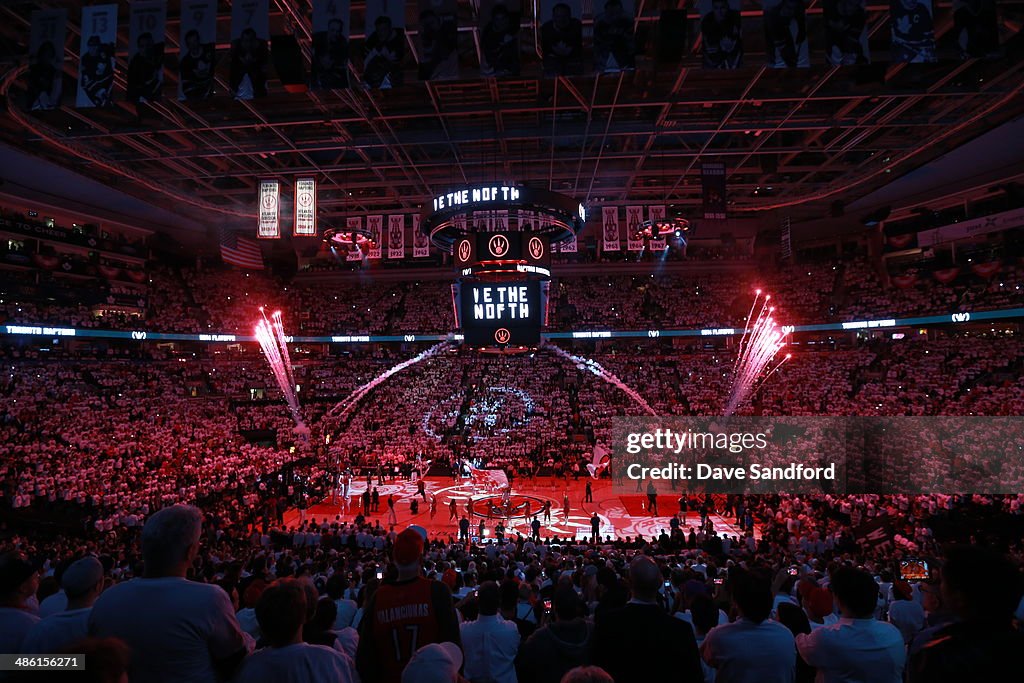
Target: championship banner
721 35
634 217
146 50
786 249
330 44
354 224
197 56
396 237
499 22
96 66
614 42
46 59
305 208
437 40
270 204
913 33
250 57
569 246
375 226
712 182
657 213
610 229
846 32
420 242
785 33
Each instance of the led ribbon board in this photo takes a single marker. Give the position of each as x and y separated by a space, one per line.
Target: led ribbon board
560 217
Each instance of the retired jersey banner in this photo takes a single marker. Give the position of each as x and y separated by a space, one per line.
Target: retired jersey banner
305 208
250 56
610 229
396 237
354 225
712 182
634 217
146 50
420 242
96 66
46 59
657 213
197 58
375 226
270 203
330 44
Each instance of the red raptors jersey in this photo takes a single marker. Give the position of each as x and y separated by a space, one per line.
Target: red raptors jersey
404 620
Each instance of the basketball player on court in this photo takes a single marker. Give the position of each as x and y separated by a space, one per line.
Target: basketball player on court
403 615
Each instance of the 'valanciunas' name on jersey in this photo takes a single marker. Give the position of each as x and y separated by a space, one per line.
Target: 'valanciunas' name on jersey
402 612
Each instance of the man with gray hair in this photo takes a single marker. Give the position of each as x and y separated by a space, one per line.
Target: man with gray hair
178 630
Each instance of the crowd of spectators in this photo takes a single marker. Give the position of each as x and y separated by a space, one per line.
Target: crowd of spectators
103 458
212 299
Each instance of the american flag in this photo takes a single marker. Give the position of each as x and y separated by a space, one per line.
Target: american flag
242 252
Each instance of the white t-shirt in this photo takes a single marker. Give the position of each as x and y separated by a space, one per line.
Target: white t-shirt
175 628
686 616
346 613
14 626
746 652
57 631
855 650
53 604
299 663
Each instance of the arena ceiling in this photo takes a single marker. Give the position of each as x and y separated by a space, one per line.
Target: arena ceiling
796 139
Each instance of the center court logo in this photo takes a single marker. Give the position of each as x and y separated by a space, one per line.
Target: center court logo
536 247
498 246
502 336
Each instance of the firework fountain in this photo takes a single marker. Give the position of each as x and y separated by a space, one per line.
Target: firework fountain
595 368
345 406
761 341
270 334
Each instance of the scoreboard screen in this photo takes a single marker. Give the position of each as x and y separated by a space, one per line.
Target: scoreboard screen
501 313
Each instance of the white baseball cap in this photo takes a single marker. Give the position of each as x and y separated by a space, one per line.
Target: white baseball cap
434 663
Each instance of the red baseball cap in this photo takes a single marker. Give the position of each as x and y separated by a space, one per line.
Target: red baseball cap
408 547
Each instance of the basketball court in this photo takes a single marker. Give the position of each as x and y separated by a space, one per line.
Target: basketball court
620 515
